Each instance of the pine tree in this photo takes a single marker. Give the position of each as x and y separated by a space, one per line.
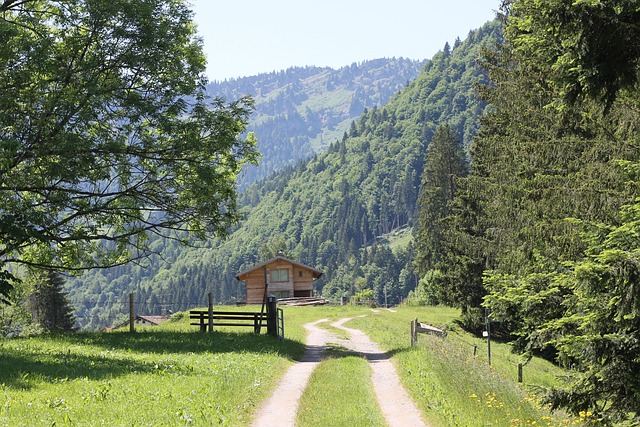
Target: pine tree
49 305
554 216
445 162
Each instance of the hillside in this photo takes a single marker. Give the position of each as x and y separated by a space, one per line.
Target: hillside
326 212
301 110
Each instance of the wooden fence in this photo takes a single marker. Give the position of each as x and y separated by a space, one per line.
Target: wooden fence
423 328
273 319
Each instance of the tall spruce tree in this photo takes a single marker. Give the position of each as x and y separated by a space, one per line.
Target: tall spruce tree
553 197
445 162
49 306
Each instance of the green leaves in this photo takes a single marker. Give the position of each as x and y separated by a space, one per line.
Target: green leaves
599 333
445 164
108 134
555 189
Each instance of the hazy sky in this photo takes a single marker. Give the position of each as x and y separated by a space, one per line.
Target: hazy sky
248 37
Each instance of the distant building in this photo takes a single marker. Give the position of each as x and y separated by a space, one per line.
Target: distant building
149 320
285 279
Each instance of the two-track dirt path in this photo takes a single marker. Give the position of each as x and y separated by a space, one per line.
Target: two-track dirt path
395 404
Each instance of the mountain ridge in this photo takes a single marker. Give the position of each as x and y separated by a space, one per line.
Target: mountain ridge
301 110
324 211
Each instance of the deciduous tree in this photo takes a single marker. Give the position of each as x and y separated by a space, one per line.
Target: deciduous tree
106 134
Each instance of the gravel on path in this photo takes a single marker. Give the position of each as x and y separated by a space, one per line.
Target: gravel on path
397 407
280 409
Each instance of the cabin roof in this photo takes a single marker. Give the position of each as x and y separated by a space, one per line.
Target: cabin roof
316 273
156 320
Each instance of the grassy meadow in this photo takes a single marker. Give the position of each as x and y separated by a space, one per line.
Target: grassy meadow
173 375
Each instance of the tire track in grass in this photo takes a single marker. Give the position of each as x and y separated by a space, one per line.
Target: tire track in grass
280 409
398 408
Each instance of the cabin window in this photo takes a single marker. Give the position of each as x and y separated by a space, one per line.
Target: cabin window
279 275
299 273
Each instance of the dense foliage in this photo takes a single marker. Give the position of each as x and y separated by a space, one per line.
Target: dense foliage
540 227
49 305
106 134
445 163
345 211
545 228
300 111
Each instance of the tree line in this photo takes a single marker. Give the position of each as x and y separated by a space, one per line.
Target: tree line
541 231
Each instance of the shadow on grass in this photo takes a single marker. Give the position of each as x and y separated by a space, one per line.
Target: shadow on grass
24 362
338 351
187 342
335 351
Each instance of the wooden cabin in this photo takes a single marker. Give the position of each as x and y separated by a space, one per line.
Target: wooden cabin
285 279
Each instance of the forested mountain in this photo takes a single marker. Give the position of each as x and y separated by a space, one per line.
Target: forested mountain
333 211
301 110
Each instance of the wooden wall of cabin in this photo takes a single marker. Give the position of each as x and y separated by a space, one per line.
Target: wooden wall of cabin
299 283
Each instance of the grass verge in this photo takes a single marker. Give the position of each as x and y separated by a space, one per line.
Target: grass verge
450 385
340 393
166 376
173 375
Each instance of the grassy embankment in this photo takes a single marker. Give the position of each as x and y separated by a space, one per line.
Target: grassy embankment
450 385
454 388
166 376
173 375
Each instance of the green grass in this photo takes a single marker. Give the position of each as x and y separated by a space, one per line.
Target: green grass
156 377
344 380
400 239
451 386
173 375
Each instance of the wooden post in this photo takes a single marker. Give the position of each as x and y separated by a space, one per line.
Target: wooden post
132 316
257 320
519 372
475 349
413 332
203 325
272 315
210 312
264 297
281 324
489 335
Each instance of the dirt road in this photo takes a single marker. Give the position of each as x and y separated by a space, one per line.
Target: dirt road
396 405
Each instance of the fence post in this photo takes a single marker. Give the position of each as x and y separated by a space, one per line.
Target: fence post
210 312
203 326
257 319
413 333
280 324
132 316
488 314
519 372
272 315
475 349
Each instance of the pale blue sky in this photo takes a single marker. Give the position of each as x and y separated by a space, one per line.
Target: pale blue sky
248 37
